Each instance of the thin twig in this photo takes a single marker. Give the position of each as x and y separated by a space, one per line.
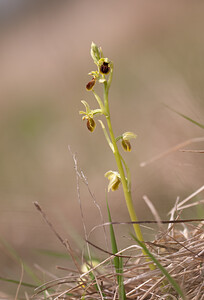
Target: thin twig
107 252
192 151
150 222
64 242
83 178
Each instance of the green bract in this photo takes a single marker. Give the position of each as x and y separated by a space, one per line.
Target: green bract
95 53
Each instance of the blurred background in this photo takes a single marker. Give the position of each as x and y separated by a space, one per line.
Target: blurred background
157 48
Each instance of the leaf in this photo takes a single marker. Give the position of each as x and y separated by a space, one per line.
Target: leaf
17 258
107 136
18 282
118 262
186 117
100 103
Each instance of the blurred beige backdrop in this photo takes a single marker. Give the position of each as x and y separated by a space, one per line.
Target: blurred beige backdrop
157 48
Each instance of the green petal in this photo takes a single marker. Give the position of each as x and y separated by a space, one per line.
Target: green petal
129 135
86 105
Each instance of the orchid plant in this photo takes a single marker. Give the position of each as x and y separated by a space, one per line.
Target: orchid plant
103 75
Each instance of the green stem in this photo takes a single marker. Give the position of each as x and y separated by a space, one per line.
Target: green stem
127 173
126 190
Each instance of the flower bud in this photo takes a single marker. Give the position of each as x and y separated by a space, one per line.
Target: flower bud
95 53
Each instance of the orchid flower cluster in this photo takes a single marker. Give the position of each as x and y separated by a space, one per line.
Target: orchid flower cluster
103 75
104 68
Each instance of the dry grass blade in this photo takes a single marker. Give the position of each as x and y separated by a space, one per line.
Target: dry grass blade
179 205
21 279
154 212
171 150
64 242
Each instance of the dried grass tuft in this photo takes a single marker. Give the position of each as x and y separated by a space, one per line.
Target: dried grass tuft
179 248
181 252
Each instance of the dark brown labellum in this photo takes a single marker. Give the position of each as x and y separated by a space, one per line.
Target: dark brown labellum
126 145
91 124
90 84
104 68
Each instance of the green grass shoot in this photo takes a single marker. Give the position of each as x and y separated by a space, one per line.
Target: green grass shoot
118 261
186 117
